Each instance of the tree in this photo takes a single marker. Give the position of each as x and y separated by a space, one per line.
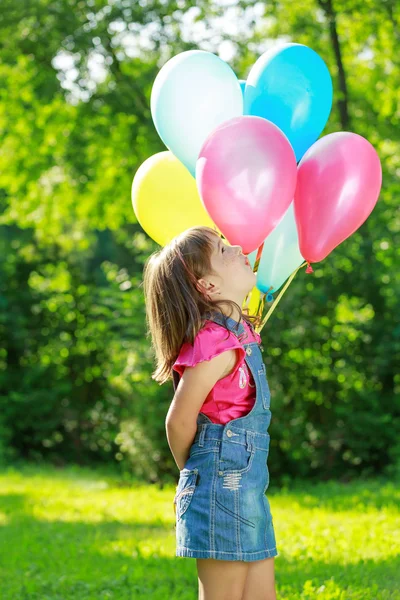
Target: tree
75 121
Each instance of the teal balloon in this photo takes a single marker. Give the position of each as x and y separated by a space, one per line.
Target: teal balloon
193 93
290 85
280 255
252 258
242 83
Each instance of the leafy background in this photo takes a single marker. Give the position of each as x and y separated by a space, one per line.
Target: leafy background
75 124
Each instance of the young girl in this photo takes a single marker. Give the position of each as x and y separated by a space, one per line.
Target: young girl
218 420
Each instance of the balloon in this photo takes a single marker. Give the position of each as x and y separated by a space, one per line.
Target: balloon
246 176
252 258
290 85
194 92
338 184
254 301
242 83
165 198
280 254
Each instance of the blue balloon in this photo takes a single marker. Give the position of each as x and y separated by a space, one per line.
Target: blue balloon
290 85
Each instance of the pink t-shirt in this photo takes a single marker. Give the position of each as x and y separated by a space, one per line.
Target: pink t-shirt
234 395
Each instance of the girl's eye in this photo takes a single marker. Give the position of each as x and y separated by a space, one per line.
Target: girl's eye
222 249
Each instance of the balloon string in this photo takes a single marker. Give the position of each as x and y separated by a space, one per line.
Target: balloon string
258 257
261 305
271 310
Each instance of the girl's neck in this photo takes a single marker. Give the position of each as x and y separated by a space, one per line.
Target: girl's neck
234 316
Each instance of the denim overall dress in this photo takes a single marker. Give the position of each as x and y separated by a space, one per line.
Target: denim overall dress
221 509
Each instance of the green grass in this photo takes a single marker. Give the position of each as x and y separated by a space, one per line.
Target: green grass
76 534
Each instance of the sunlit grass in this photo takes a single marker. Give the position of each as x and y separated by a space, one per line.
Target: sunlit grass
76 534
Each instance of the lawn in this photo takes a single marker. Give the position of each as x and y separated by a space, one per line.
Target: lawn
78 534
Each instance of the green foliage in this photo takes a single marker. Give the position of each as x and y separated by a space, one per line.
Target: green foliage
75 364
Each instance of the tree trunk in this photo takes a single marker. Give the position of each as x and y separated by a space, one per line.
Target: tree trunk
327 7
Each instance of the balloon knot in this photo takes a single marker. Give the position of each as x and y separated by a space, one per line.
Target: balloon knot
270 298
309 268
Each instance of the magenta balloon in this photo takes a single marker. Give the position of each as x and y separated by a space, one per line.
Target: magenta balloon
246 175
338 183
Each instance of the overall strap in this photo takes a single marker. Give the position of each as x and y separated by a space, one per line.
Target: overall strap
233 326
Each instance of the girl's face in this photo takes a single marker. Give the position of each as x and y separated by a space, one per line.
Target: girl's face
233 277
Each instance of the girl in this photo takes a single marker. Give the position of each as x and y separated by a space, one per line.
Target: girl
218 420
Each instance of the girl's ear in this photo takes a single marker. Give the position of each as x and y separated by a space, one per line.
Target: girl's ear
207 288
201 286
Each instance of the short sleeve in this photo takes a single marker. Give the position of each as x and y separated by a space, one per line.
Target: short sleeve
210 341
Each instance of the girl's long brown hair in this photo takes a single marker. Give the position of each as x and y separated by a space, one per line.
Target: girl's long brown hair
175 303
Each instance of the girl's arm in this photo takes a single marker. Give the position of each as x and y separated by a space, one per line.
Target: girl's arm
194 386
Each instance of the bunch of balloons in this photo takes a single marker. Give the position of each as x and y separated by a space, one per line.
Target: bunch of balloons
244 158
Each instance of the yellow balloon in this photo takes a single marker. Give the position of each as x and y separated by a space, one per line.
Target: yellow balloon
165 198
252 301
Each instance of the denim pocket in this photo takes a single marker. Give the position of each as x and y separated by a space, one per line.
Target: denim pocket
185 490
264 387
236 458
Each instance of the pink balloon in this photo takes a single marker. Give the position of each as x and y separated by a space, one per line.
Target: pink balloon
338 183
246 176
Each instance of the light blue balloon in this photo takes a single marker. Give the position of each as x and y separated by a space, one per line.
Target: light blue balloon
290 85
193 93
280 255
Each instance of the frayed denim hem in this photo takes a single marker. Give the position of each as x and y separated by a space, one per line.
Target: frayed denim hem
218 554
